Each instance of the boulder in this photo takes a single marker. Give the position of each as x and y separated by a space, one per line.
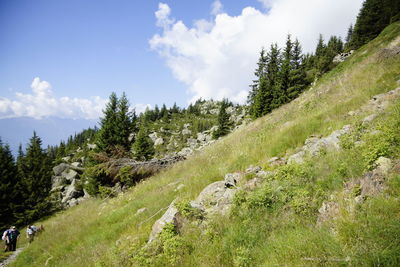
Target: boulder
216 198
252 184
57 181
253 169
328 211
69 174
71 192
76 164
369 119
172 215
66 159
60 168
232 179
191 142
153 137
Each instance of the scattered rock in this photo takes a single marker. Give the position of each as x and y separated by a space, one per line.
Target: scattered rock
69 175
66 159
253 169
76 164
71 192
232 179
328 211
252 184
276 161
159 141
369 119
179 187
91 146
172 215
60 168
342 57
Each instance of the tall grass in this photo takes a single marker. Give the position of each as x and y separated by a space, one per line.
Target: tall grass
108 232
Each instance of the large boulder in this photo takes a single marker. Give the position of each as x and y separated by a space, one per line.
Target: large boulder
60 168
71 192
69 174
216 198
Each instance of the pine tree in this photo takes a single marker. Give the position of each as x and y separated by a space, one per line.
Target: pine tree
223 120
298 76
285 70
35 174
373 17
107 136
259 73
143 148
272 76
124 125
8 186
349 35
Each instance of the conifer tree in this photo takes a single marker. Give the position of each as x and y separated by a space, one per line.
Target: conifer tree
223 120
349 35
143 148
107 136
124 125
285 70
272 76
8 186
35 174
259 73
298 76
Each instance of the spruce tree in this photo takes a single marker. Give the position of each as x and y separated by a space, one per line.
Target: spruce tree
349 36
223 120
35 174
272 78
297 76
259 73
124 124
143 148
285 70
8 186
107 135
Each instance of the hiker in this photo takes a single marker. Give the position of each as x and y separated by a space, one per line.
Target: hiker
12 236
5 239
30 233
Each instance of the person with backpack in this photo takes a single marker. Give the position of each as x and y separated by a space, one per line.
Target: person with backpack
30 233
12 235
5 239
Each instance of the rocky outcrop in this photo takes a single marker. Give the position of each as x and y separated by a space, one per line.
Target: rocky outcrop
172 215
342 57
314 145
66 184
356 191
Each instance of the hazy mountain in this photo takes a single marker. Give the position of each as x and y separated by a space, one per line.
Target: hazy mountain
51 130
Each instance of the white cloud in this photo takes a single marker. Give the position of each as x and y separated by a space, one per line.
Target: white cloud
217 58
42 103
216 7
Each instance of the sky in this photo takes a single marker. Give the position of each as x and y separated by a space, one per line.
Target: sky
64 58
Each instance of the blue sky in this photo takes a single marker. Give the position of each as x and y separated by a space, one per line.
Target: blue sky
87 48
63 58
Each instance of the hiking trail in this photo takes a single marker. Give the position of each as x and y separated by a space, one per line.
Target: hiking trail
11 258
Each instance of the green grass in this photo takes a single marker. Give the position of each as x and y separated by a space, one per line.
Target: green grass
108 233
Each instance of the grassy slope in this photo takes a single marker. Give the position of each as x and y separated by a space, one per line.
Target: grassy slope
106 233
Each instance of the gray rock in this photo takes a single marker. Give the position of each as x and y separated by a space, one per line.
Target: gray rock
369 119
57 181
71 192
76 164
216 198
383 165
232 179
172 215
264 174
159 141
185 152
69 175
297 158
191 142
253 169
328 211
60 168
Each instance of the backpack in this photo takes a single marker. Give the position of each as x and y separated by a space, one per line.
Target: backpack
12 235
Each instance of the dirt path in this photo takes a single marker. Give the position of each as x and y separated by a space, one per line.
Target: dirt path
11 258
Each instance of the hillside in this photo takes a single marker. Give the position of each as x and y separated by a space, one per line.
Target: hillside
283 219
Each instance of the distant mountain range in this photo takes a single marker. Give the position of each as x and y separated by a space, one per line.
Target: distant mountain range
51 130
